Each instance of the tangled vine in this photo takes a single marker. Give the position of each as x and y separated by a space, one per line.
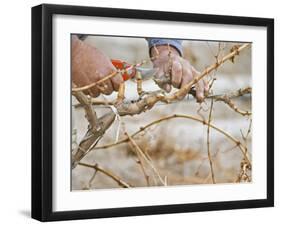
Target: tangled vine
97 126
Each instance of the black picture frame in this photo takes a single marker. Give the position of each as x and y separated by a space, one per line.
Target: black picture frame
42 108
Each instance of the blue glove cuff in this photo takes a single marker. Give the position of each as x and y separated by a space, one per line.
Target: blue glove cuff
177 44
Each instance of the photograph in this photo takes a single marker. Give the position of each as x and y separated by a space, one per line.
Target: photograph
142 112
154 111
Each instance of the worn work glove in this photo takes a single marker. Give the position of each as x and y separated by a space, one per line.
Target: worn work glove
179 71
89 65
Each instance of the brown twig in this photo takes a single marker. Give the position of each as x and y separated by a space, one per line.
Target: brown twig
97 128
90 183
121 93
146 176
94 101
227 99
243 174
140 152
231 95
208 143
141 164
83 88
231 104
226 134
150 99
90 113
204 159
139 83
244 166
119 181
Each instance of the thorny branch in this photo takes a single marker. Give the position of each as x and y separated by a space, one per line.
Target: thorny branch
90 113
96 128
90 183
192 92
244 166
208 144
119 181
141 154
140 161
227 99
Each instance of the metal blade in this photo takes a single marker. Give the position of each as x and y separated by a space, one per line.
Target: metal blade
146 73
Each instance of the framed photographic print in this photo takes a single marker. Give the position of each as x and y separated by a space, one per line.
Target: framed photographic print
146 112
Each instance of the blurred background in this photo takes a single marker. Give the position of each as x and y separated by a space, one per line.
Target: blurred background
178 147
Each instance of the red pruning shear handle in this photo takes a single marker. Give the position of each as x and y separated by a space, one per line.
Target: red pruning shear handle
122 65
146 73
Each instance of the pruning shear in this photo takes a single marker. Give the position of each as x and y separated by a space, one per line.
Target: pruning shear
130 72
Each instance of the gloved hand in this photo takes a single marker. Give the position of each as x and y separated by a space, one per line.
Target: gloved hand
178 69
89 65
